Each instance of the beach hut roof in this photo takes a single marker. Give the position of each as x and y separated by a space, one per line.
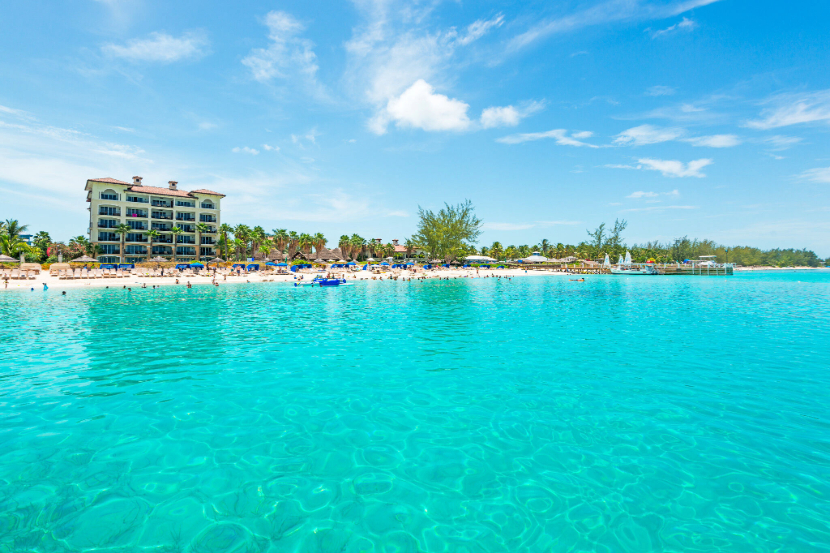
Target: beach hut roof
7 259
83 259
158 259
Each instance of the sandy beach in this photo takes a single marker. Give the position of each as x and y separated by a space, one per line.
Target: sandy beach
135 281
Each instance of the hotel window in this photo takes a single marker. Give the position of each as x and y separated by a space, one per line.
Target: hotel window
134 237
182 203
137 199
207 205
107 237
107 210
109 195
108 249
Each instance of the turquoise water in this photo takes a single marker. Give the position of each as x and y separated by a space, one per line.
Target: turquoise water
538 414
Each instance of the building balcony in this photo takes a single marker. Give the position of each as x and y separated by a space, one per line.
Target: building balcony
137 240
135 213
109 211
182 217
103 223
136 199
207 218
162 216
161 203
160 226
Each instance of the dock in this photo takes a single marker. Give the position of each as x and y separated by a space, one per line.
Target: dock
666 269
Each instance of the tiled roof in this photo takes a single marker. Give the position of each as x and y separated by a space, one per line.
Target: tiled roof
206 191
160 191
110 180
400 248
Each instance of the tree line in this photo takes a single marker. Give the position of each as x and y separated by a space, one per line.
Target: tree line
450 234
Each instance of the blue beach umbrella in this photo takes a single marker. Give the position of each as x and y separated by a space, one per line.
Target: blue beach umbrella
271 263
351 264
196 264
280 264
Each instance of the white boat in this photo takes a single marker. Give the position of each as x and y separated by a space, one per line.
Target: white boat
627 268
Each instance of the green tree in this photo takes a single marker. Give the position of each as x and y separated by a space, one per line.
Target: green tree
280 240
344 245
319 242
496 250
200 228
175 232
357 243
225 230
442 233
12 228
151 234
597 239
121 230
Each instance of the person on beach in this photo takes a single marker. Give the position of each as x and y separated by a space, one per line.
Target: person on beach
188 284
45 287
63 293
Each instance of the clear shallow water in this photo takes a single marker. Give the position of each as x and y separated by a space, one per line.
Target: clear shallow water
619 414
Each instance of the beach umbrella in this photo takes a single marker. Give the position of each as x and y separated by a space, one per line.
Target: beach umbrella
158 259
351 264
196 264
281 265
318 260
84 259
341 260
216 260
7 259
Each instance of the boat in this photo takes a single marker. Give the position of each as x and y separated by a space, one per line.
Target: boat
320 281
625 267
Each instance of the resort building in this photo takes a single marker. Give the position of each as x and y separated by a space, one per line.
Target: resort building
196 215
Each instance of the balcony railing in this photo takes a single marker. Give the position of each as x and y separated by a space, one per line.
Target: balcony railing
142 240
160 226
112 212
104 223
136 213
161 203
208 206
163 216
183 217
207 218
137 225
136 199
186 240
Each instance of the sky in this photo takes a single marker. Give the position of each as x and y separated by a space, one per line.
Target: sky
699 118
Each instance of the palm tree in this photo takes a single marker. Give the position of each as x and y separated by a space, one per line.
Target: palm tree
265 248
257 236
238 246
152 234
122 229
225 229
200 228
496 250
356 243
280 240
344 245
409 244
319 241
306 242
293 243
544 246
13 246
12 228
242 232
175 231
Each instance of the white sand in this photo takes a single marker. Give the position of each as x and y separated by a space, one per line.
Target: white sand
131 281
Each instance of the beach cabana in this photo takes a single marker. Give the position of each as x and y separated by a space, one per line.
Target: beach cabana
238 265
446 265
126 265
108 266
385 264
280 264
484 266
179 266
270 264
196 264
83 259
427 266
351 264
252 267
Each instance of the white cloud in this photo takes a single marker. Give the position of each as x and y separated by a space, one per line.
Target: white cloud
779 142
685 25
582 134
792 109
288 55
715 141
421 107
641 194
560 135
660 90
160 47
479 28
245 150
508 116
603 13
619 166
673 168
269 148
647 134
659 208
821 174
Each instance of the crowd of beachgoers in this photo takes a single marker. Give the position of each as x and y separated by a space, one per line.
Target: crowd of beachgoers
149 278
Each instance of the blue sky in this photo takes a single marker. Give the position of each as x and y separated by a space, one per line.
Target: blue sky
706 118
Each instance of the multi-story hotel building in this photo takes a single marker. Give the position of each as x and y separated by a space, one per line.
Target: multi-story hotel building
143 208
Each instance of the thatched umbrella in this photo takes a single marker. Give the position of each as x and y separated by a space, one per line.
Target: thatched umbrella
84 259
7 259
158 259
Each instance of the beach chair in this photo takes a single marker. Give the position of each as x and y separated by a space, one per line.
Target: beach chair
15 274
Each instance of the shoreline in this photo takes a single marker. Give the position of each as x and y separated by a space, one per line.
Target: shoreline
134 281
